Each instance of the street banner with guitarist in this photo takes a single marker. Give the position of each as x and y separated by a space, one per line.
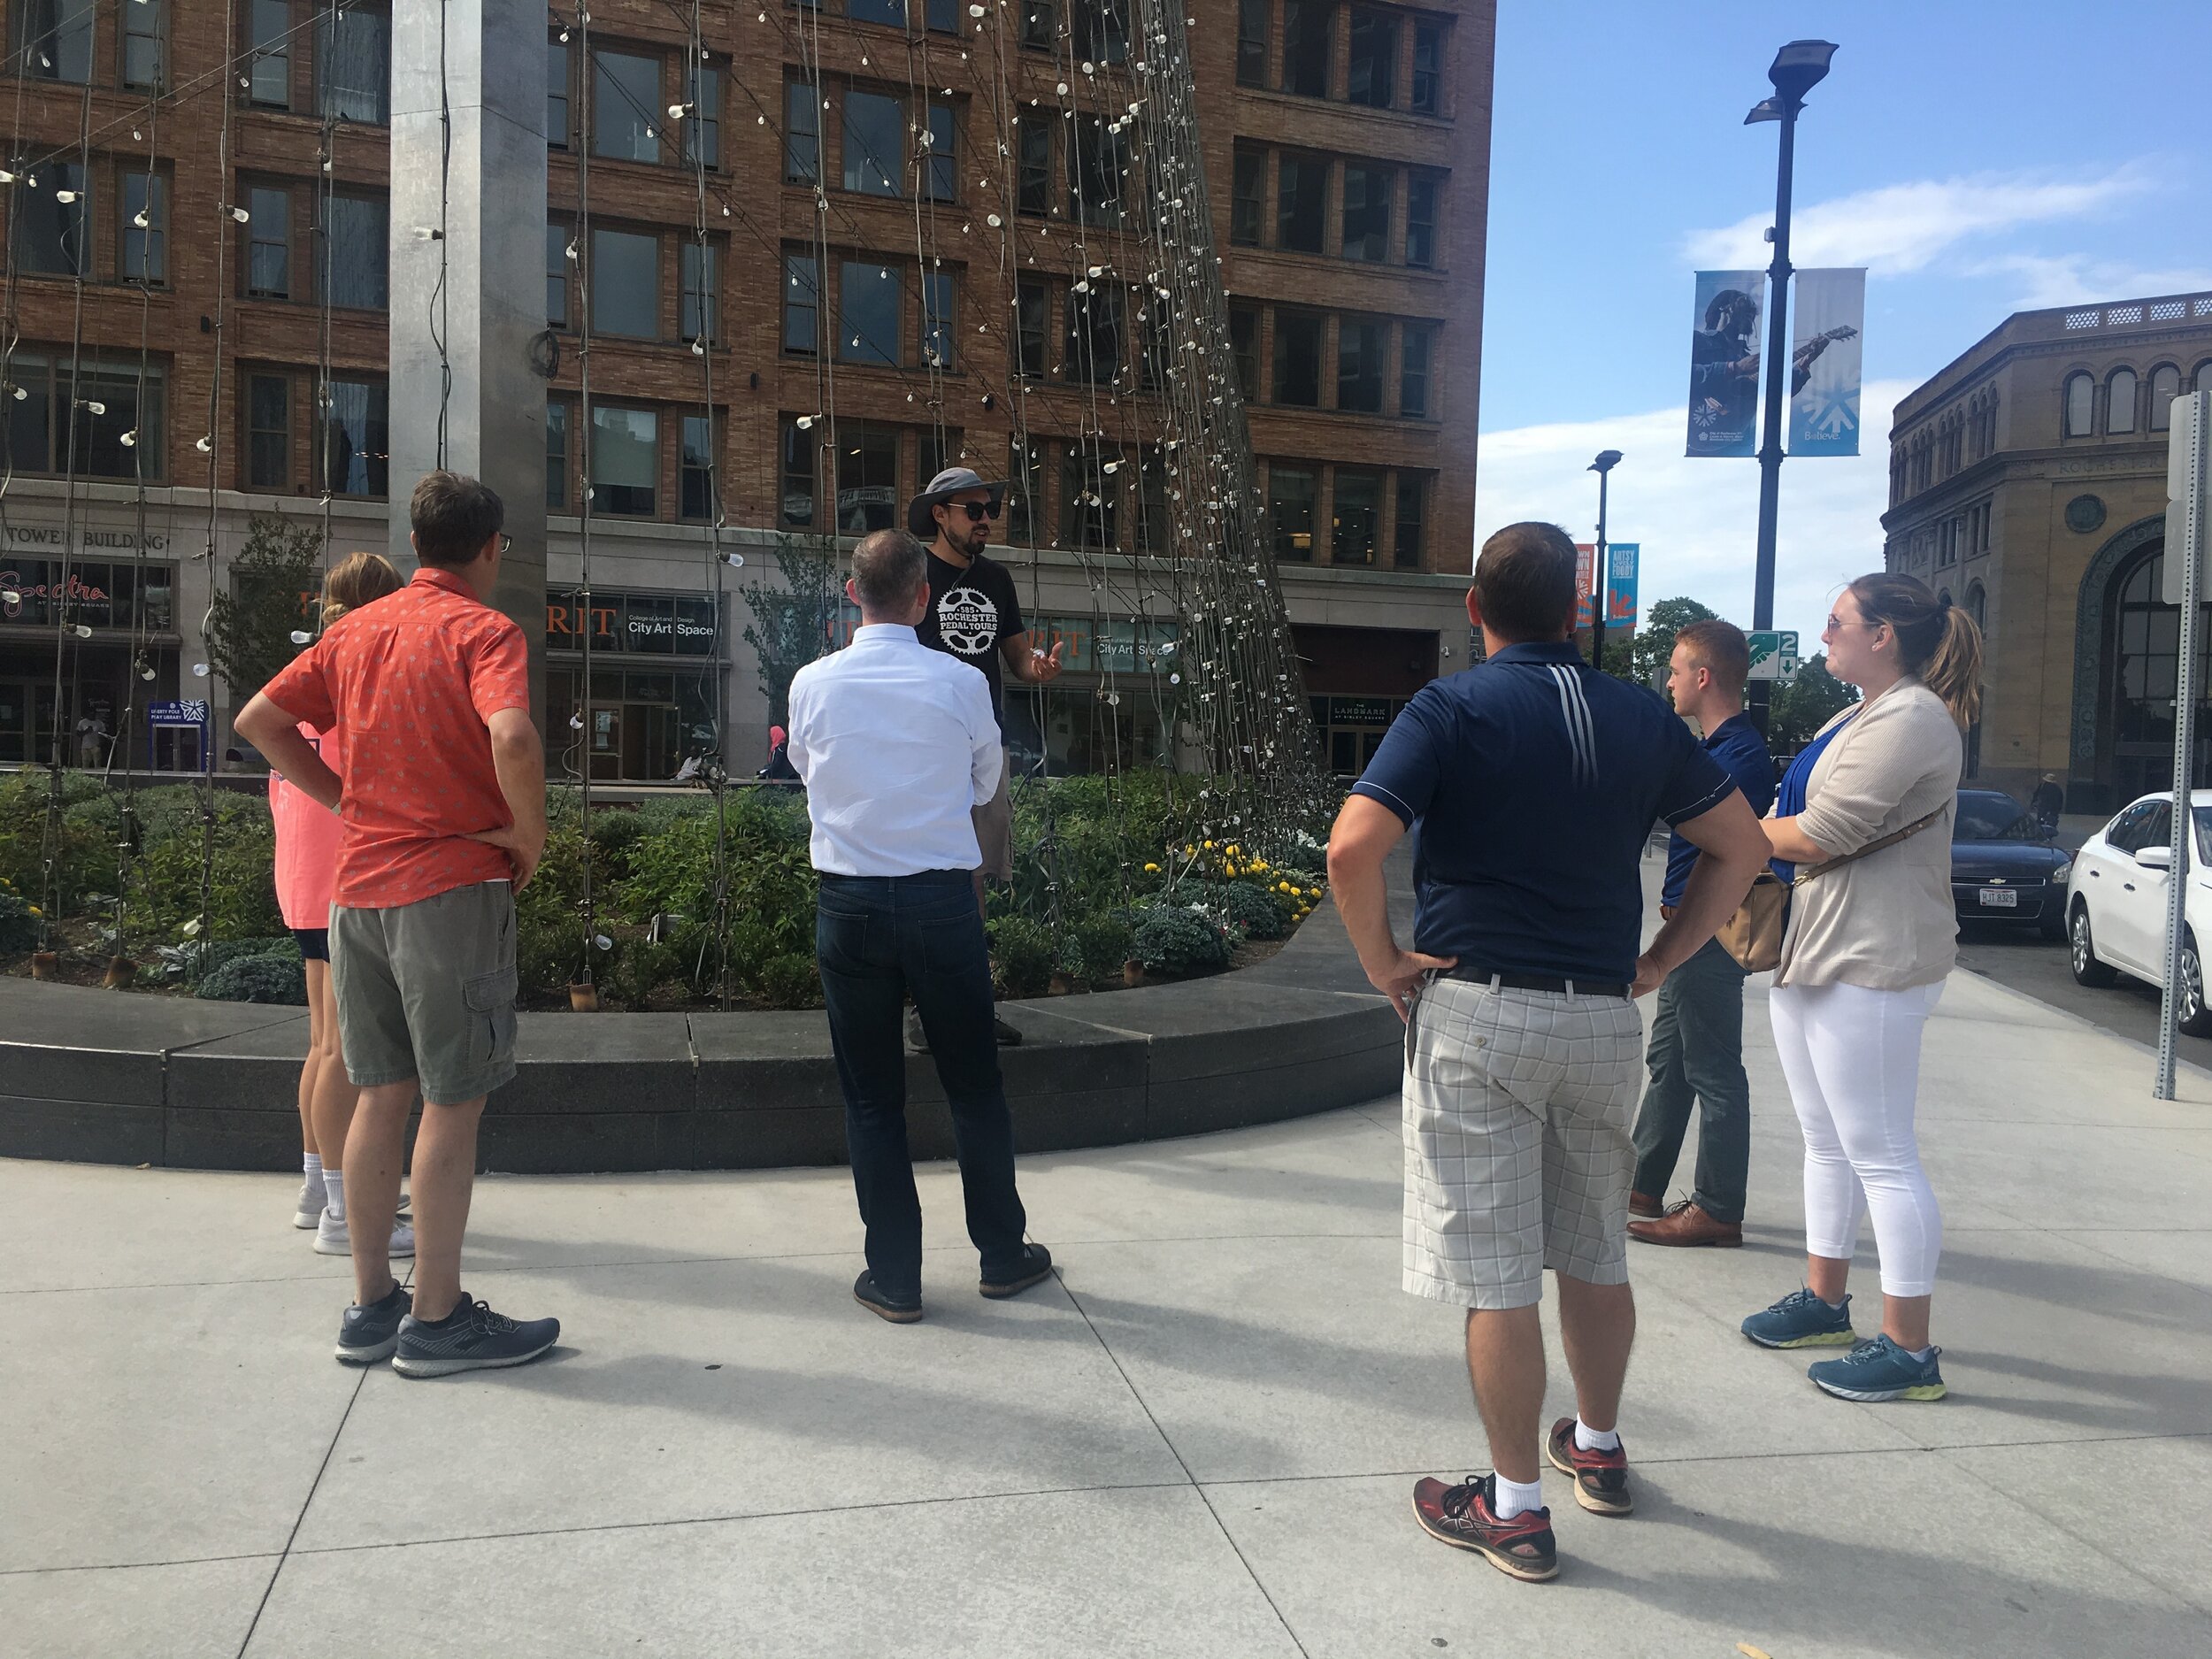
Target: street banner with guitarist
1825 367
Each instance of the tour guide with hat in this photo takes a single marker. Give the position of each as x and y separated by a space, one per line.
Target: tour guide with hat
1534 781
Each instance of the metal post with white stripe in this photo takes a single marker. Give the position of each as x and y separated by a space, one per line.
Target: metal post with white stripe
2188 458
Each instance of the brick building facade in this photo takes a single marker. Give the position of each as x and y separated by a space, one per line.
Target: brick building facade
1345 152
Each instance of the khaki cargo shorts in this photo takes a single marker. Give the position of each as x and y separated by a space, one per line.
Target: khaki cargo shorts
427 991
994 827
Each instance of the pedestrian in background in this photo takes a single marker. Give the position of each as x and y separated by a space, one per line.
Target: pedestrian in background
1871 939
1695 1055
307 840
1533 781
443 808
897 744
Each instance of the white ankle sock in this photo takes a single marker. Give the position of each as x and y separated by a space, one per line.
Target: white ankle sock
334 1193
1590 1439
312 1166
1921 1353
1513 1498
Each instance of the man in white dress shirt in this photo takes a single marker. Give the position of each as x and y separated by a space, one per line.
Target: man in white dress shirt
897 744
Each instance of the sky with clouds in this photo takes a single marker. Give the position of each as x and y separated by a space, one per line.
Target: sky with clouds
1978 159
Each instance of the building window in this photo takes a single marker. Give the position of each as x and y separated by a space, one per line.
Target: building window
1367 190
1247 197
1252 43
695 473
1094 335
269 246
867 477
1244 346
1359 367
625 461
556 237
1355 524
943 15
557 458
1406 535
1035 138
272 42
142 246
703 122
1090 498
1302 195
1041 24
936 451
802 303
626 99
1298 359
701 305
269 432
940 176
1977 605
1098 30
53 40
53 238
555 94
2203 378
2119 406
937 320
353 66
356 438
868 306
626 283
1097 161
891 13
46 433
801 456
1290 497
1414 344
875 138
1428 67
1370 69
1154 525
1033 323
1421 193
355 248
2081 401
802 134
1308 28
1024 491
2165 387
144 25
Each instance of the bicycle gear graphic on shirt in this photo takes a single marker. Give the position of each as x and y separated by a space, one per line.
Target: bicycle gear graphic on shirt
967 621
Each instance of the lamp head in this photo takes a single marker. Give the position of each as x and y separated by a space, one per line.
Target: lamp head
1799 67
1608 459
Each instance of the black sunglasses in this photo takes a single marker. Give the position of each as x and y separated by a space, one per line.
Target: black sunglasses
977 510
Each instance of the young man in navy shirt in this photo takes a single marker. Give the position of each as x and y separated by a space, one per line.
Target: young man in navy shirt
1534 781
1696 1052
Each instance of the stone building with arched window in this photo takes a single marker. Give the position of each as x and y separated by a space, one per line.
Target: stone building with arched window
2028 485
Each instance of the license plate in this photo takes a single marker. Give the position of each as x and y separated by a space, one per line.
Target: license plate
2000 898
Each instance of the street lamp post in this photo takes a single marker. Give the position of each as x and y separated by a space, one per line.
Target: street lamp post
1797 69
1608 459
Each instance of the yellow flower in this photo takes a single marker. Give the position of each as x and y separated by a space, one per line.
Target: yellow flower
1152 870
36 911
1209 846
1283 887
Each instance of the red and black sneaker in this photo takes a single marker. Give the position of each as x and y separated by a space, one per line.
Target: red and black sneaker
1600 1477
1464 1517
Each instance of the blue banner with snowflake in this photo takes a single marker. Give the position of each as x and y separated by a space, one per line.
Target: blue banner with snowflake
1824 363
1724 363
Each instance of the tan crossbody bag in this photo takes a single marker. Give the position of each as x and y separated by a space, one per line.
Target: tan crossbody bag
1753 935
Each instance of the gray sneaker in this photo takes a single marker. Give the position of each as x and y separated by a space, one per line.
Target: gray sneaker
470 1338
307 1209
366 1335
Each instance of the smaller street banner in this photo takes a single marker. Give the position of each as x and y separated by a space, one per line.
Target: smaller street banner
1825 362
1620 587
1724 363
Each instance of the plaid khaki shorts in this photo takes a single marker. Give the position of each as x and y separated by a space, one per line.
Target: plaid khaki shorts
1518 1106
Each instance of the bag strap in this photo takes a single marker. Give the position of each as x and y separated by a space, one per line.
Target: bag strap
1890 840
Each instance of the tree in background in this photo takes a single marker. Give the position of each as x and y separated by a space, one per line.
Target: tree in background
1803 705
250 628
1654 640
792 623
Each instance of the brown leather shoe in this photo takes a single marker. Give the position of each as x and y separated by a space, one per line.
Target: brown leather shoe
1644 1205
1687 1224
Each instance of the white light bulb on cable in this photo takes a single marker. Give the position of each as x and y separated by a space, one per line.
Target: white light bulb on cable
301 636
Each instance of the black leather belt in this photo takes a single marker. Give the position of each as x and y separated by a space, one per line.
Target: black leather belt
1537 982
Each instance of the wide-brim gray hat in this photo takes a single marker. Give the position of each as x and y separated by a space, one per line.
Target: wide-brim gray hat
944 487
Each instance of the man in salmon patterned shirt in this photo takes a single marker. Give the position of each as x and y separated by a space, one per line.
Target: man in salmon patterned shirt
443 807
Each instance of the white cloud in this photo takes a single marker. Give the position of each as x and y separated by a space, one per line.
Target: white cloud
2077 279
1697 520
1900 227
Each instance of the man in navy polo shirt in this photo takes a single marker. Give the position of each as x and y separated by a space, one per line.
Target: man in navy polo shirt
1533 781
1696 1052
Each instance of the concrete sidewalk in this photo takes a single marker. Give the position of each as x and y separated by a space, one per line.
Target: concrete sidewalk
1200 1442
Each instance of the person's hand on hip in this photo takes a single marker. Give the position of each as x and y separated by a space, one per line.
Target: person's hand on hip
1402 976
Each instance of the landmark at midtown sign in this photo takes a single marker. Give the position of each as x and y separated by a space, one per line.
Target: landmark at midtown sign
1774 654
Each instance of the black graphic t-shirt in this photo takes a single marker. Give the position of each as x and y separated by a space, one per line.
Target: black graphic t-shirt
970 611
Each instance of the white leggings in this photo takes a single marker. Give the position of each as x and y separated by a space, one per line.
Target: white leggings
1851 1059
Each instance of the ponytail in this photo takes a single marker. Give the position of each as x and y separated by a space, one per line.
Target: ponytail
1935 640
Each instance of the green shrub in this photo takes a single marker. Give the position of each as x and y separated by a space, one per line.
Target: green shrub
257 979
1022 953
791 982
643 968
18 927
1251 911
240 850
1102 945
1170 939
614 832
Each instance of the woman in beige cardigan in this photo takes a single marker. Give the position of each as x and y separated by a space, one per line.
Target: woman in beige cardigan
1867 952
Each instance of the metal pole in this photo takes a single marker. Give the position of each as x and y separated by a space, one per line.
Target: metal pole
2186 470
1777 364
1597 583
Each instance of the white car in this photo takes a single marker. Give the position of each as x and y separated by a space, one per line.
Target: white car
2115 902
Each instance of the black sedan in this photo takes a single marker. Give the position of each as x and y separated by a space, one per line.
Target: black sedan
2005 867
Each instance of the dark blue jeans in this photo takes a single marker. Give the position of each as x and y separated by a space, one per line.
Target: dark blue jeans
879 940
1696 1059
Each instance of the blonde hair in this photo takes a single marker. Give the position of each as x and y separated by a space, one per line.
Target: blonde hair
355 580
1937 642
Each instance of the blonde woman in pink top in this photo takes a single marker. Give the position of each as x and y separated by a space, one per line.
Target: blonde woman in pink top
307 836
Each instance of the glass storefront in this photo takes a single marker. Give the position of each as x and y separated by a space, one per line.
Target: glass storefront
646 717
1352 729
